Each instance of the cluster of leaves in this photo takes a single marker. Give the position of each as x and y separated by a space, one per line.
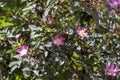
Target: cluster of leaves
25 22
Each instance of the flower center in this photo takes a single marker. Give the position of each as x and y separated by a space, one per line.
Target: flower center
111 71
23 52
81 32
58 41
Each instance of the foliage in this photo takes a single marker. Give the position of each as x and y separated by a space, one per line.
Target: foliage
35 23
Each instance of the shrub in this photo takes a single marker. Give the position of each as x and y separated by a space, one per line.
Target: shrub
59 39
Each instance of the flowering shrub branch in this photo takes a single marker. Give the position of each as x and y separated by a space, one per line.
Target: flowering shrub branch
59 40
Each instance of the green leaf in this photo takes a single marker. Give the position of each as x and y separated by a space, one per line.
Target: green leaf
4 22
13 63
95 68
49 29
13 68
9 51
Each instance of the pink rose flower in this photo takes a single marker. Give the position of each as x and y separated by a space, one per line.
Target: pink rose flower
58 41
114 3
22 50
112 70
82 32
